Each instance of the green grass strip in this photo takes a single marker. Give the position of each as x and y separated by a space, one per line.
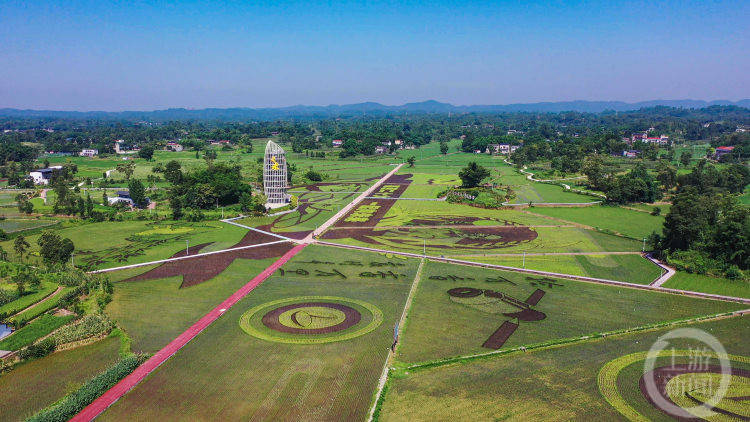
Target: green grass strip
27 300
26 316
38 328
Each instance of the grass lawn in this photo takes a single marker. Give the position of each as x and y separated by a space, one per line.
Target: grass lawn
628 268
745 197
707 284
36 384
154 312
241 377
441 326
37 328
552 384
627 222
544 192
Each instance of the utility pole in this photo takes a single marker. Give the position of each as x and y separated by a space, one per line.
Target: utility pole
424 247
643 249
524 260
187 247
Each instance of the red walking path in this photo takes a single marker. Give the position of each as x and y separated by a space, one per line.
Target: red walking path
126 384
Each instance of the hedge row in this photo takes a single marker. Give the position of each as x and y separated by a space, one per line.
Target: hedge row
76 401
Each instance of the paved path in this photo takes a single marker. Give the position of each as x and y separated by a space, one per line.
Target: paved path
230 221
323 227
126 384
549 274
161 261
552 253
669 271
448 226
405 199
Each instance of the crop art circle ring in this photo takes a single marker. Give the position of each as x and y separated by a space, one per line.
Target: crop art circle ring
311 319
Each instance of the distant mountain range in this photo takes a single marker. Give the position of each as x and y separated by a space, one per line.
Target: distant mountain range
367 108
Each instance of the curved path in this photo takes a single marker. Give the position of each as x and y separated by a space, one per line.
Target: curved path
46 298
668 271
549 274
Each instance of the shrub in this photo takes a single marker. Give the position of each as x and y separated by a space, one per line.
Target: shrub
734 273
487 200
38 350
76 401
88 326
7 296
691 261
313 176
194 215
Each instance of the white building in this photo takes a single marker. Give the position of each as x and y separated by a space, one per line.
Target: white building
89 153
501 148
122 196
43 176
174 146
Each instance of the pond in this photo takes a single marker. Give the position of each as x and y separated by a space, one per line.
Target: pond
5 331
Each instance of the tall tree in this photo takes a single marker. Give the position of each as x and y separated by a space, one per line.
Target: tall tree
137 193
472 175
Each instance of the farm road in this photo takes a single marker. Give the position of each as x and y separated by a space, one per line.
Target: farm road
331 221
549 274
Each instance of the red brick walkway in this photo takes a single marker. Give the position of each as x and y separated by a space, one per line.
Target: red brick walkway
126 384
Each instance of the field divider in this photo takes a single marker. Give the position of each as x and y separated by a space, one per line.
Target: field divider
616 283
348 207
231 221
573 340
179 258
380 392
128 383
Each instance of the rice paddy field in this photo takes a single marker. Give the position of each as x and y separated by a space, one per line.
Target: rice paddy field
255 372
570 308
549 384
321 331
34 385
118 243
632 268
153 312
630 223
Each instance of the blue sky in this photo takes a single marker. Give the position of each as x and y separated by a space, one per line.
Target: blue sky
134 55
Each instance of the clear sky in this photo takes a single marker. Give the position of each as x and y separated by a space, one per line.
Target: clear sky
135 55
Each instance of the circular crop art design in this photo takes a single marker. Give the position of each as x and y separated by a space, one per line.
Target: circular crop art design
688 385
311 319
